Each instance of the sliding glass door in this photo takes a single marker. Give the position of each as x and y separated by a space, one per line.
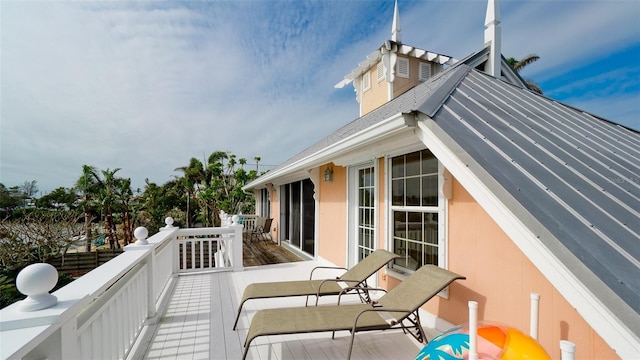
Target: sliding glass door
297 210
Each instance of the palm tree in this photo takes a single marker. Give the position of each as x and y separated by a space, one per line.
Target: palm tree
257 159
108 192
124 195
518 65
87 186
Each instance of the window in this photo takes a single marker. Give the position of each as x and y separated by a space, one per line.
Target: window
366 81
425 71
415 210
380 71
403 67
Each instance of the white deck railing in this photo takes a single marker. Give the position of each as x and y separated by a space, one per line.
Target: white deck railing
102 314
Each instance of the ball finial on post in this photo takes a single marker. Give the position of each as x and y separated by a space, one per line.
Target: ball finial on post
141 233
35 281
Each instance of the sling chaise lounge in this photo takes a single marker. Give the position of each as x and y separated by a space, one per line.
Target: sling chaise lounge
392 311
355 279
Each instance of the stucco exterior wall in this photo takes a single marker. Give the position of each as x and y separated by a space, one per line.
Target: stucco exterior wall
274 208
332 217
377 95
500 278
401 84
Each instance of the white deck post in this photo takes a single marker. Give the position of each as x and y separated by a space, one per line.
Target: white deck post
534 316
567 350
236 247
473 330
141 233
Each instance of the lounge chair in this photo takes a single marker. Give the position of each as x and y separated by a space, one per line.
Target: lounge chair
391 311
354 279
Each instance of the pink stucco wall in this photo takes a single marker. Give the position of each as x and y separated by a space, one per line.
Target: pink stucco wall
332 217
500 278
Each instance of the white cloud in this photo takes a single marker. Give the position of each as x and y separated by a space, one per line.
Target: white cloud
145 86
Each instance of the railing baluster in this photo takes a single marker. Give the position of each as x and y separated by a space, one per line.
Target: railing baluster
103 316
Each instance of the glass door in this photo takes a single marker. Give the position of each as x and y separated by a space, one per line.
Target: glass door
362 219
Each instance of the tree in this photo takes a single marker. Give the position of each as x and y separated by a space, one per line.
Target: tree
108 197
218 186
58 198
158 202
257 159
87 185
124 196
29 188
9 198
36 236
518 65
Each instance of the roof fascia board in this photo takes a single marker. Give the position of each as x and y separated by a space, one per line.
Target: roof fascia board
385 128
405 140
474 180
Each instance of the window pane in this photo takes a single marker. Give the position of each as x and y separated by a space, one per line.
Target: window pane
412 164
368 177
412 192
397 192
429 163
399 223
431 228
430 190
397 167
414 226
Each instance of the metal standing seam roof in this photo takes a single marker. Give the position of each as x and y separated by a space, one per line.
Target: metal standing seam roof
574 173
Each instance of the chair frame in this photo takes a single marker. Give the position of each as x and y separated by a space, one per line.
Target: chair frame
263 231
413 292
326 287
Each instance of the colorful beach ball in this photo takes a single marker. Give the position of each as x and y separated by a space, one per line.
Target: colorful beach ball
495 341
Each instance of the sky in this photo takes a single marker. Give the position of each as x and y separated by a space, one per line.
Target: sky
146 86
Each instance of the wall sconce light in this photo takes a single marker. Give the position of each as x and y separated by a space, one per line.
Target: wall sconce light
328 174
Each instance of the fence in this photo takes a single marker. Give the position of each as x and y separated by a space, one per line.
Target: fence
80 263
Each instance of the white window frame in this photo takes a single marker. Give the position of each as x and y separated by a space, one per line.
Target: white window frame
441 209
402 67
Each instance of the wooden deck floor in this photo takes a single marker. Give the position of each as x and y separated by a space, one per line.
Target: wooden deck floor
260 252
199 319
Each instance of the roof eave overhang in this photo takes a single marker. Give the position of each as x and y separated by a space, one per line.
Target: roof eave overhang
520 226
388 128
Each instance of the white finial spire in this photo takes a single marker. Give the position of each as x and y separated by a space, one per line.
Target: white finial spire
396 32
493 38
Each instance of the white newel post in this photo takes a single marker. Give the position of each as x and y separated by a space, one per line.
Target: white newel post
236 244
141 233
